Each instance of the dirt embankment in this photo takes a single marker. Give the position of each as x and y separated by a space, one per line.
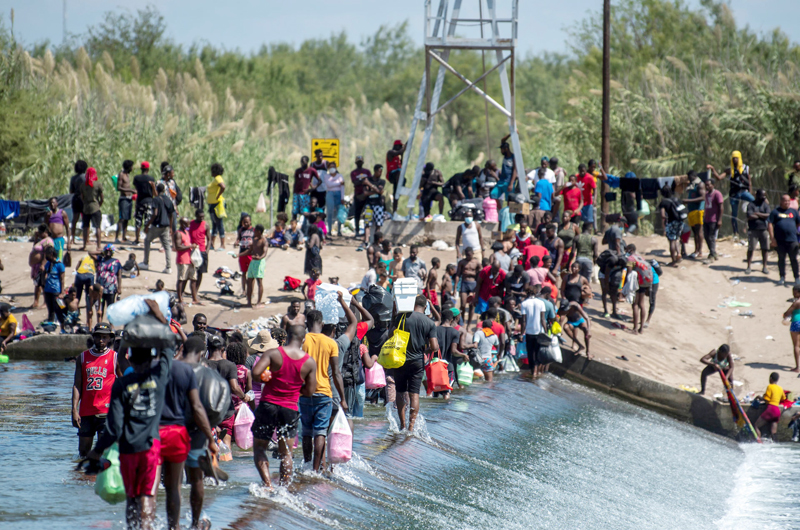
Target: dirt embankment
688 321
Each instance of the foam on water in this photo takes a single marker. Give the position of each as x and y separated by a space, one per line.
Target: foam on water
516 455
768 473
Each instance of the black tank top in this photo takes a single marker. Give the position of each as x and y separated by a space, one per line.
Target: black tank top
572 291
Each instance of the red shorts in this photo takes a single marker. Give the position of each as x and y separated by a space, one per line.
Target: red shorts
175 443
431 295
227 425
141 471
244 263
771 413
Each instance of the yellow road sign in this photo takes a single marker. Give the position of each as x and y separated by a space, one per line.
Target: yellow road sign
329 146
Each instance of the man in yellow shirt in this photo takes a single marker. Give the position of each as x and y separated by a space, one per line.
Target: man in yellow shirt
216 204
8 326
772 397
315 411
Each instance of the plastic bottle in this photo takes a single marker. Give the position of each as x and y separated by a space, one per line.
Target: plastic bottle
2 228
225 454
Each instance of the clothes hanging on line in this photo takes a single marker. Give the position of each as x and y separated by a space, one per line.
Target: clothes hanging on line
665 181
9 209
629 184
649 188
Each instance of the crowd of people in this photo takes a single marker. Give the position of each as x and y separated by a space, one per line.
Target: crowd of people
507 296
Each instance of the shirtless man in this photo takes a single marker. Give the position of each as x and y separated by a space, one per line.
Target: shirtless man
432 282
374 250
257 268
467 271
555 246
293 316
448 285
58 223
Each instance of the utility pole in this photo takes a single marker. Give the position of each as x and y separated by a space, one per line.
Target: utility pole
605 155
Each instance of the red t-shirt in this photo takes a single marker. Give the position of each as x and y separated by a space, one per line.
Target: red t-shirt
197 234
358 176
302 179
534 250
572 198
588 184
491 286
498 328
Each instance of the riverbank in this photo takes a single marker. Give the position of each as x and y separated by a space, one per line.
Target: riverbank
688 322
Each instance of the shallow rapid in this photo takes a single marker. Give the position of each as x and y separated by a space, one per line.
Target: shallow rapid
550 455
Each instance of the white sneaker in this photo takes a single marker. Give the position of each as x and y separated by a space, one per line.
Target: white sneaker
144 266
167 271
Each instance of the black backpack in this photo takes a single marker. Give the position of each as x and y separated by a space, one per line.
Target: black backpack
351 364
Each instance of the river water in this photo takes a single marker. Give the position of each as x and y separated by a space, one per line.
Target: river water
512 455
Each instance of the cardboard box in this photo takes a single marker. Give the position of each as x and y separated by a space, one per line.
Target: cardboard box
516 207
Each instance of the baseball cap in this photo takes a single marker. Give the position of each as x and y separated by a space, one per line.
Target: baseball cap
102 329
398 142
145 165
545 159
360 157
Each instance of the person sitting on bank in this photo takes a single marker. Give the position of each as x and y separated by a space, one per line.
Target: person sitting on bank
8 326
720 358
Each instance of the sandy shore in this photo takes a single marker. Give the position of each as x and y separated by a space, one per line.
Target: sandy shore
688 321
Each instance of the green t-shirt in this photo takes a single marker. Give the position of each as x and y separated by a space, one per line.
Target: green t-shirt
91 197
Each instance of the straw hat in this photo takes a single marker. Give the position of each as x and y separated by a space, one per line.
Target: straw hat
262 342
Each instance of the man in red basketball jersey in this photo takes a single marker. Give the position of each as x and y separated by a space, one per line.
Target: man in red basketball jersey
96 369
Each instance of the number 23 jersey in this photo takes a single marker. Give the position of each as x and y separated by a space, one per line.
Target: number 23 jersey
98 373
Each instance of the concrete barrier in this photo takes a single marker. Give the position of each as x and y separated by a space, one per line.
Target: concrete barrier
422 233
697 410
47 347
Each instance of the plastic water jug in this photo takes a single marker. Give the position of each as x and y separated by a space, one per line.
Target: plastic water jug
326 301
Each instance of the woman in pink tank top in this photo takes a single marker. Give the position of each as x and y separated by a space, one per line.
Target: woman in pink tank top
283 388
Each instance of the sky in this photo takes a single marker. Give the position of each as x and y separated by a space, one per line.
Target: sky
247 24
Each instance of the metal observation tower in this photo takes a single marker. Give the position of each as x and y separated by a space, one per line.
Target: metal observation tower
438 45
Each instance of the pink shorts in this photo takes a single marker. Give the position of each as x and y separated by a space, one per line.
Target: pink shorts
141 471
772 413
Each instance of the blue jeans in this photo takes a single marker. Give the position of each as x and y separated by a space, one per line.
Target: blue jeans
742 195
315 414
355 396
332 201
587 214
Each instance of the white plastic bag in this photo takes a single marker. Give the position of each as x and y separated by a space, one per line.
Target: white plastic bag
261 205
555 349
131 307
340 440
241 427
197 258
